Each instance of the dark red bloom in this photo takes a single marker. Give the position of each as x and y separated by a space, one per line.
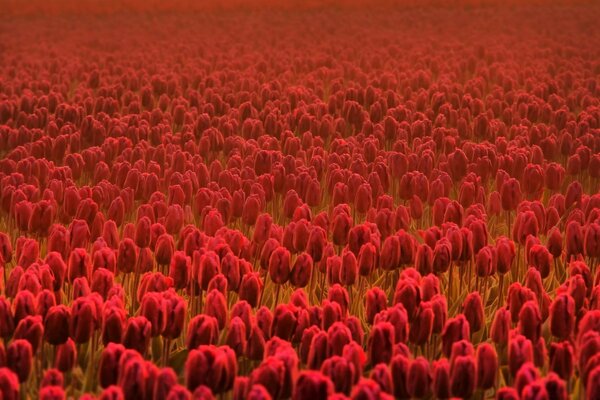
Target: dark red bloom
137 335
312 385
66 356
19 358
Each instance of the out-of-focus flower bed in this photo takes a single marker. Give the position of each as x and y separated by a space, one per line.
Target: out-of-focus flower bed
324 201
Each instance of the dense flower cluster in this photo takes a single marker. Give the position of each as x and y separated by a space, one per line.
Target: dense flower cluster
307 205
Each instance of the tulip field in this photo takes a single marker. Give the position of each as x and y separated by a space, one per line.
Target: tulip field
398 200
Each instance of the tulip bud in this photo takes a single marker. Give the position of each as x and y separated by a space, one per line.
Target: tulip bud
109 364
179 270
318 350
79 265
462 377
421 327
279 265
66 356
376 301
562 316
419 378
562 359
112 393
424 259
9 384
6 250
399 368
127 256
526 375
165 380
302 270
501 327
52 377
510 194
381 343
137 334
456 329
19 358
133 377
284 322
442 256
270 374
520 351
487 366
530 321
473 311
250 288
202 330
312 385
341 372
31 329
113 324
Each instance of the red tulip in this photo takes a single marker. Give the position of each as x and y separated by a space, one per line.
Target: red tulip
313 385
9 384
66 356
19 358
